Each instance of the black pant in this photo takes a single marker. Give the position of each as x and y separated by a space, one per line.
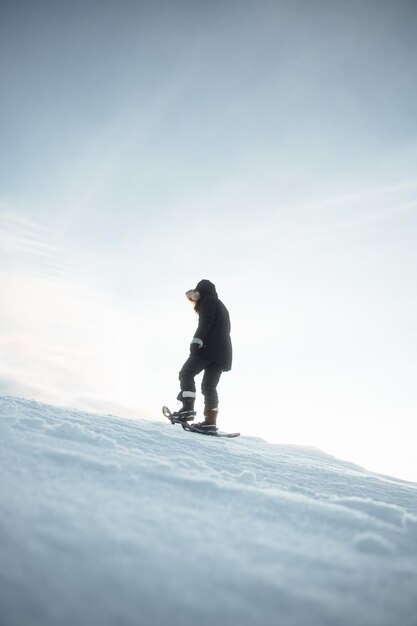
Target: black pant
212 372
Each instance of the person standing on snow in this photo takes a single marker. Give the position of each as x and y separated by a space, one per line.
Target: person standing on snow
210 350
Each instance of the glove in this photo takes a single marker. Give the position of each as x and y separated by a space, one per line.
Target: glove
196 346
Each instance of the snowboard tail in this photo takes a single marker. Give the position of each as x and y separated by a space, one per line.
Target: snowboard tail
174 419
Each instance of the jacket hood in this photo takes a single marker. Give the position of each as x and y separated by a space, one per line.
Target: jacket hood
206 288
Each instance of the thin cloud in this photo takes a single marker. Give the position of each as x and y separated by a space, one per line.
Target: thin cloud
20 234
354 198
25 243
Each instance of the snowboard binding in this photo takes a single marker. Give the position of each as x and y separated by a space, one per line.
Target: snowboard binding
175 418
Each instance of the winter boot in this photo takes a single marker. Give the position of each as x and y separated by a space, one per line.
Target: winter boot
186 413
209 423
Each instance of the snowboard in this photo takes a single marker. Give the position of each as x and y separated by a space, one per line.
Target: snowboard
193 429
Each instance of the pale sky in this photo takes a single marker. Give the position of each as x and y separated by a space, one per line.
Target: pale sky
270 147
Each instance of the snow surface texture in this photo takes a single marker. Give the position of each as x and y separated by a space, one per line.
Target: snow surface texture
107 521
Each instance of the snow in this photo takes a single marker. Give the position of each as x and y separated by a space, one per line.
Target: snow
108 521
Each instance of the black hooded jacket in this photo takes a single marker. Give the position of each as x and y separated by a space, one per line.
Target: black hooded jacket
213 326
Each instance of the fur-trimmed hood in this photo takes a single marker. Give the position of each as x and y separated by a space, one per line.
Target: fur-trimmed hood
206 288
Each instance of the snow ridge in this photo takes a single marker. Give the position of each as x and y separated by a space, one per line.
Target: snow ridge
111 521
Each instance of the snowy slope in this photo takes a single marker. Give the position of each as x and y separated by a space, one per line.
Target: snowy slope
107 521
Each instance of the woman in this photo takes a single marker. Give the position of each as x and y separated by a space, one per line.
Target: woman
210 350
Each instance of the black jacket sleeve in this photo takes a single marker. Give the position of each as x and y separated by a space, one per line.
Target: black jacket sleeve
207 317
